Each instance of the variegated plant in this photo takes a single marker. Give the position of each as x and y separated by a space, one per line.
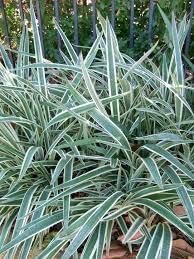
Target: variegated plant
86 143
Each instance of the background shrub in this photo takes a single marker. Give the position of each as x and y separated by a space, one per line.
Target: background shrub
141 43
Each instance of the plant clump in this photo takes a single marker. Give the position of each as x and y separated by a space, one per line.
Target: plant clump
96 150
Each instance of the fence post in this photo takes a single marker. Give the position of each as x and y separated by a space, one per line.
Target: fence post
151 19
188 38
113 5
94 19
131 36
39 17
20 5
6 29
56 13
76 37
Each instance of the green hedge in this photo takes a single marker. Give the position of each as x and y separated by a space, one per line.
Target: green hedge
141 43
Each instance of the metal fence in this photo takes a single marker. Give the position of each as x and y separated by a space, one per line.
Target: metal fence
56 5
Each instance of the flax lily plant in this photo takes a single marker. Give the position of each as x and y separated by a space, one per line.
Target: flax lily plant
92 141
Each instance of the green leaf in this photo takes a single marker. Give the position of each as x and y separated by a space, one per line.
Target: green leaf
167 239
111 72
183 194
59 241
94 173
179 70
68 173
67 43
38 52
153 170
91 89
91 223
155 243
58 169
6 229
27 160
170 158
134 228
25 249
34 229
161 136
167 214
142 251
6 58
25 207
101 240
75 188
90 246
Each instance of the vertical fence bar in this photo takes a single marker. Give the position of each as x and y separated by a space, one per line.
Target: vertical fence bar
76 37
151 20
56 13
113 7
94 19
188 38
131 35
6 29
20 5
39 17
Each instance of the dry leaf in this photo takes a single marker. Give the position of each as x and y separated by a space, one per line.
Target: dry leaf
183 245
180 211
116 253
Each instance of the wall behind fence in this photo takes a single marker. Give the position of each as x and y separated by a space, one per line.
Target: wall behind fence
136 22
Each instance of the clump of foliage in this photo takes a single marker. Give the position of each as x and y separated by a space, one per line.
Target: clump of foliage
86 144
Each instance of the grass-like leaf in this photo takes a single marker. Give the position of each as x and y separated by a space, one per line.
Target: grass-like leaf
90 224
